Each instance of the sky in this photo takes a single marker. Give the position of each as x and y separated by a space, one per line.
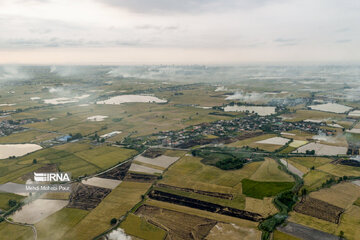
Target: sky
179 31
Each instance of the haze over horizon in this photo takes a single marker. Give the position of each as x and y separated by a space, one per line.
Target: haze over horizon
178 32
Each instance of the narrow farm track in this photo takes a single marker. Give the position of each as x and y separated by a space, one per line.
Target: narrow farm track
25 225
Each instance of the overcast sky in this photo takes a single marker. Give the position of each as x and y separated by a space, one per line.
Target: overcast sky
179 31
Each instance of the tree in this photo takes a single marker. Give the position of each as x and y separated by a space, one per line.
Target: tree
113 221
12 203
342 235
34 161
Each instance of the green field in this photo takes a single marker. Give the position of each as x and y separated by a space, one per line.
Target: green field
76 158
15 231
195 174
139 227
260 190
5 197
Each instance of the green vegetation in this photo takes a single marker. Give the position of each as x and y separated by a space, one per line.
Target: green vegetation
139 227
226 158
260 190
9 200
230 163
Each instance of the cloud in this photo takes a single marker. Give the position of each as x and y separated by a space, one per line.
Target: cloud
343 41
247 96
118 234
286 41
184 6
156 27
340 30
12 73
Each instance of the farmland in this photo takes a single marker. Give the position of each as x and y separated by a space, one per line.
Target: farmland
260 190
179 166
139 227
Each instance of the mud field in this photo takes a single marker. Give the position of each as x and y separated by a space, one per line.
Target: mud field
101 182
139 177
86 197
117 173
37 210
179 226
206 206
319 209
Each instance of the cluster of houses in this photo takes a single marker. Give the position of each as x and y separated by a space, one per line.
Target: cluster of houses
231 128
8 127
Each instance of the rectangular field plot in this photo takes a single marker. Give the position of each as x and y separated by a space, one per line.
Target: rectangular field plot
319 209
342 195
101 182
274 141
38 210
161 161
322 149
